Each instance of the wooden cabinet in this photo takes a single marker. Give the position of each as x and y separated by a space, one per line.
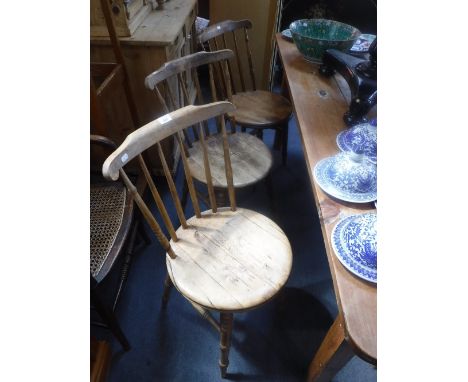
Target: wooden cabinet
127 16
162 36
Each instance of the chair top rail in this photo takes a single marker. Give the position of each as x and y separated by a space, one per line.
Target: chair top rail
221 28
185 63
158 129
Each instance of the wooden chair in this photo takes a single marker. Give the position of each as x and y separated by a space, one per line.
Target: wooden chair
257 109
251 160
225 259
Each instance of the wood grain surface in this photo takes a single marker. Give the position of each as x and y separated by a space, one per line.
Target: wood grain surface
319 104
251 160
160 28
260 108
231 260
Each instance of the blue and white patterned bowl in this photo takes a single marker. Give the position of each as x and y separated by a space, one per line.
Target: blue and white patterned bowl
354 240
348 176
361 139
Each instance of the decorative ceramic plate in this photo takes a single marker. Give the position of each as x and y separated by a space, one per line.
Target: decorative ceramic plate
348 177
287 34
354 240
361 138
363 43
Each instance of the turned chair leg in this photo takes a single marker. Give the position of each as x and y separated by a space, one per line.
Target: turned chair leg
269 189
167 290
226 320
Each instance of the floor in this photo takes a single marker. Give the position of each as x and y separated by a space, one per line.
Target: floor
272 343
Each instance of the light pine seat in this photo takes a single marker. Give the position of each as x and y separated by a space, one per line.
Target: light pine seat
251 160
225 259
231 260
258 109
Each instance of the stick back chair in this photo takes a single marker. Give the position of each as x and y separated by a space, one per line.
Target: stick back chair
255 108
226 259
251 160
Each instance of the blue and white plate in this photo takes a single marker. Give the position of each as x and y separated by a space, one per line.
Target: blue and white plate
354 240
361 138
363 43
347 176
287 34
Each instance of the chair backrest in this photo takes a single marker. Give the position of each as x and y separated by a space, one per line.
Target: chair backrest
152 133
172 79
216 37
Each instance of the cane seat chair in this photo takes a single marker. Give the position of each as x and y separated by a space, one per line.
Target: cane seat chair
112 234
225 259
258 109
251 159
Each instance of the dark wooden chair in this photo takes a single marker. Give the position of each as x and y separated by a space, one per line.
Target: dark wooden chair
113 232
225 259
258 109
251 160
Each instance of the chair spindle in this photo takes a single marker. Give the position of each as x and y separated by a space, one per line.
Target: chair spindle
147 214
231 82
228 167
206 163
188 177
249 55
200 99
157 198
186 98
172 187
239 64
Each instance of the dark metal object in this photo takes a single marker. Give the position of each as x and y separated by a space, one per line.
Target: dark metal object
361 75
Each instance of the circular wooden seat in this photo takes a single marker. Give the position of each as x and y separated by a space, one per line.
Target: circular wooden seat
260 108
251 160
230 261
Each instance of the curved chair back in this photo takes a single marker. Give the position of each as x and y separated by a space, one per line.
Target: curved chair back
151 134
224 35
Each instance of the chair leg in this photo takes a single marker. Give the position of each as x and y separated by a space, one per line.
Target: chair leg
284 142
109 318
269 187
126 264
259 133
226 320
278 138
167 290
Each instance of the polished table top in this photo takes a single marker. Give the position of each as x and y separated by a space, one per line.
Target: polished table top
319 105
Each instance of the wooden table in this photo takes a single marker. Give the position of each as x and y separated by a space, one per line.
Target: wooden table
319 105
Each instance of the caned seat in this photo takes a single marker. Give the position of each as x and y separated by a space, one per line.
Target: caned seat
251 160
258 109
231 260
225 259
111 208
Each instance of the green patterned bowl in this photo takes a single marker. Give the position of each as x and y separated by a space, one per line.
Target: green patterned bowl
314 36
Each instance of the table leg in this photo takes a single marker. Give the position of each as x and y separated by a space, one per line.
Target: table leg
334 352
